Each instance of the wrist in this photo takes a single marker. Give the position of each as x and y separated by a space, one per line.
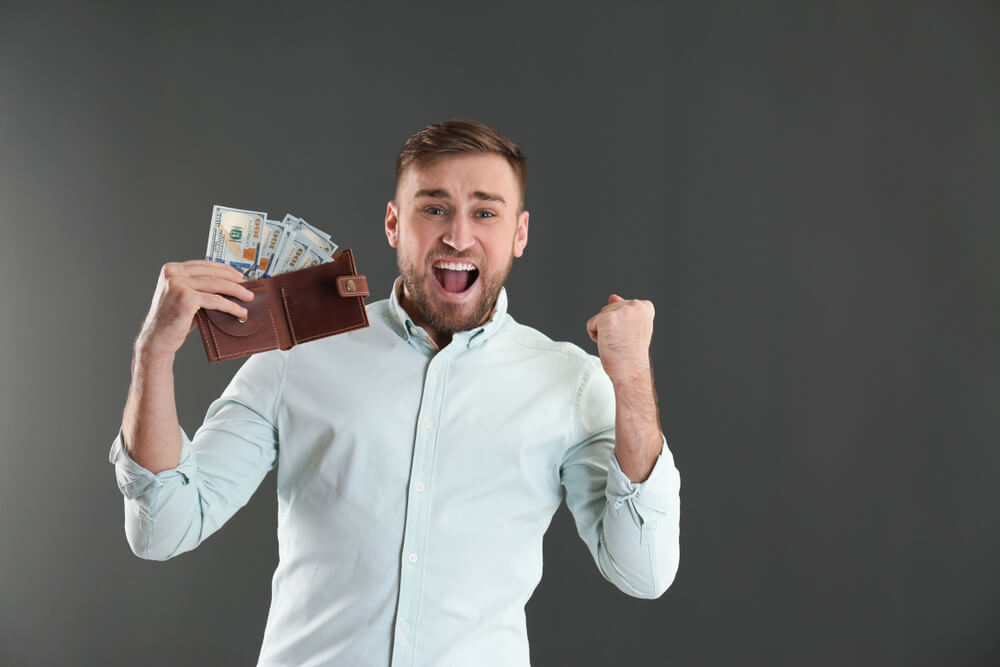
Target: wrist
637 374
149 356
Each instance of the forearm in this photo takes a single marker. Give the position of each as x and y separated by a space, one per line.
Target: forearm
621 483
638 435
639 538
171 508
150 429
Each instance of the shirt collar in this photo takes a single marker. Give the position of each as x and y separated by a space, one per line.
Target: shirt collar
469 338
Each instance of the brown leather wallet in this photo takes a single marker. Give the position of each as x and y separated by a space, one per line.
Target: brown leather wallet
289 309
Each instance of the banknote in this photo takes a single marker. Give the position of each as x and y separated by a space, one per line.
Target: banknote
234 237
261 248
300 252
317 236
273 238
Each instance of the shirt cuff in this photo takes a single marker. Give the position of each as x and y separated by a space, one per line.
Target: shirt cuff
134 480
647 501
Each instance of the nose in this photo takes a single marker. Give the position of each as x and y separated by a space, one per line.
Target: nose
459 235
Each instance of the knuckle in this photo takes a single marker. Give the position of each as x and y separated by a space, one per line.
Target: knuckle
175 285
187 298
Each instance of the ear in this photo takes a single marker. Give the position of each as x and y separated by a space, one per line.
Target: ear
392 223
521 234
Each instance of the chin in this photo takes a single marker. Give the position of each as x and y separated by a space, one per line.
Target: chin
450 312
462 307
449 316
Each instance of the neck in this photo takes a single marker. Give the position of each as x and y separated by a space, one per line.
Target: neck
440 338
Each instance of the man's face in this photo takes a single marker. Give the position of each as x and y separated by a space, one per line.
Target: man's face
456 225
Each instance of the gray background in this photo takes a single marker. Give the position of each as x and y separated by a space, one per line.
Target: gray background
807 194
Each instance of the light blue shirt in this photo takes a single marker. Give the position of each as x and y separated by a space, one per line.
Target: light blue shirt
414 488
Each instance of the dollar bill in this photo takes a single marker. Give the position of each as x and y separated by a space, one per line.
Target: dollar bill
261 248
299 252
274 236
234 237
320 238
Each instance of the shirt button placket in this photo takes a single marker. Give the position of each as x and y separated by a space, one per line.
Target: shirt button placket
411 575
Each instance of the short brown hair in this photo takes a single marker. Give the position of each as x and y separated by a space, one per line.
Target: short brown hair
460 136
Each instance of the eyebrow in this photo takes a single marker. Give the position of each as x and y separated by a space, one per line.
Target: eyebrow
478 194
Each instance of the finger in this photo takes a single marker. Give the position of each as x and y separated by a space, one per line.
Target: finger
215 285
204 267
592 328
219 302
614 298
199 267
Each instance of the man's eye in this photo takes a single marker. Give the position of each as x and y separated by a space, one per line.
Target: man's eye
485 214
434 210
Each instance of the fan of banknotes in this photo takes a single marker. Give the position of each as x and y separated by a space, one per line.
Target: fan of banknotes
261 248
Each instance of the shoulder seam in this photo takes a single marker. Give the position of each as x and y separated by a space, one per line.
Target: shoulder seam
565 348
588 371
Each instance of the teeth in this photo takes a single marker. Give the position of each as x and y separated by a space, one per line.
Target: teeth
455 266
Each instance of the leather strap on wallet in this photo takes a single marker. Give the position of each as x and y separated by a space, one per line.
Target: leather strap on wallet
289 309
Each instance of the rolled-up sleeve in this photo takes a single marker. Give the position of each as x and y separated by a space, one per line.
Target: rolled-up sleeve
173 511
632 529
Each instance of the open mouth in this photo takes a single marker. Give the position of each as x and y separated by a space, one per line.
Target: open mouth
455 277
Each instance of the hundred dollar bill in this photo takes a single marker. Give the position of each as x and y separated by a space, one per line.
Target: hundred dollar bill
299 252
317 236
235 236
273 238
294 219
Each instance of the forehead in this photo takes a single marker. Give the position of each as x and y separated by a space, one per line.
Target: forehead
461 175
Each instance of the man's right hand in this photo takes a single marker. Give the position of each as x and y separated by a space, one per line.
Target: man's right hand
183 288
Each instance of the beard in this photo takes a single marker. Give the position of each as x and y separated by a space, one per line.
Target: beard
445 316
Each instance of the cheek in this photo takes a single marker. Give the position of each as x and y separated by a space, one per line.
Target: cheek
500 246
422 237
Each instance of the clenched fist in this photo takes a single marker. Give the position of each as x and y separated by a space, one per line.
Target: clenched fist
183 288
623 330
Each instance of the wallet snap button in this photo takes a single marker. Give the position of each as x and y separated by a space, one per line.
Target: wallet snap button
351 286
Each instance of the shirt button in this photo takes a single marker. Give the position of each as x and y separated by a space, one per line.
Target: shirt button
428 423
420 487
436 366
404 626
412 558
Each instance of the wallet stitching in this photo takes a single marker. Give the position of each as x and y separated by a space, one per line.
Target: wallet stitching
243 352
327 333
288 315
361 280
364 320
213 352
291 325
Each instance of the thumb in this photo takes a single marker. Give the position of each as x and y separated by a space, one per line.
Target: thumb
614 298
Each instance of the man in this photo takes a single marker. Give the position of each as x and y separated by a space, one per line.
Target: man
419 460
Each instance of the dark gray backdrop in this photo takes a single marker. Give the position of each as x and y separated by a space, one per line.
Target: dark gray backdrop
807 194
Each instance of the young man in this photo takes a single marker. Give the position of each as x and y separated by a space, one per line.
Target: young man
420 460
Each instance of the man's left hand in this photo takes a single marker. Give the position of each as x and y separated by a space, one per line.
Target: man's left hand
622 331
